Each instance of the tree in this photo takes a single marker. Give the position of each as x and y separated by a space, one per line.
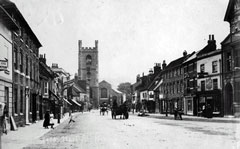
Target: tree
125 88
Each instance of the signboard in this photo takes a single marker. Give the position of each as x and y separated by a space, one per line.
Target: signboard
4 63
4 66
209 84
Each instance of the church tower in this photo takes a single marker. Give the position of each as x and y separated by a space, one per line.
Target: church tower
88 69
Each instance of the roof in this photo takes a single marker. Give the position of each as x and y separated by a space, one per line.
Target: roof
10 7
229 10
211 46
9 22
177 62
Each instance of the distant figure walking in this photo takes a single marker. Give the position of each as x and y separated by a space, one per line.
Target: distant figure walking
46 121
51 120
71 117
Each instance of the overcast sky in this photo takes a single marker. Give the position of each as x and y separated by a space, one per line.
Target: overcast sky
133 34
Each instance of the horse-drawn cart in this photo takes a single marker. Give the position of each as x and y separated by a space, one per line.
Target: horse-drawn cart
121 110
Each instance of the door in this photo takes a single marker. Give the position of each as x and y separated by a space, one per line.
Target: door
228 100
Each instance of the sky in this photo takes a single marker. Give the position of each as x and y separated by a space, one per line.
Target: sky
133 35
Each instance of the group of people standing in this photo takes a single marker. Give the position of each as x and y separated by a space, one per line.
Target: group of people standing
48 120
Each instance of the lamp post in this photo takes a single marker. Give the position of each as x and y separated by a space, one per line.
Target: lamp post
166 103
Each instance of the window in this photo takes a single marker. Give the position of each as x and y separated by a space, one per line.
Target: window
30 68
26 65
88 60
214 67
190 105
215 84
15 59
202 85
21 62
237 58
229 62
45 88
15 101
21 101
103 93
202 68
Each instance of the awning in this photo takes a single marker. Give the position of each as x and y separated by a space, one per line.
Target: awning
54 94
67 101
77 103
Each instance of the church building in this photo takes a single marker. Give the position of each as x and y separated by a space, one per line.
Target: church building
88 69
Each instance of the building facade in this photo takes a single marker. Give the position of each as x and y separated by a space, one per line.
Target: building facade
231 61
7 25
209 78
88 69
25 69
190 85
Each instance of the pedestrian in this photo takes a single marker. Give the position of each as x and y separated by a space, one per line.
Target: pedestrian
71 119
51 120
4 120
46 121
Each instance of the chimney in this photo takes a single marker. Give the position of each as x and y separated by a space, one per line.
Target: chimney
42 58
150 71
157 68
138 78
211 39
143 74
54 65
164 64
184 53
75 77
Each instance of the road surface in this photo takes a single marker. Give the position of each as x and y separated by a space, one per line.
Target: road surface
92 131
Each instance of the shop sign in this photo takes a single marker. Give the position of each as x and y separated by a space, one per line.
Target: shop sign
4 63
209 84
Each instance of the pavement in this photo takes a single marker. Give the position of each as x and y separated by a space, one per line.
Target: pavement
193 118
24 136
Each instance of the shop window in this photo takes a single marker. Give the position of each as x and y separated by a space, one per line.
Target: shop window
190 105
15 100
21 101
214 67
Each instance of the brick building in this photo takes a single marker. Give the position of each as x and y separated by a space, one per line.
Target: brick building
231 61
7 25
25 68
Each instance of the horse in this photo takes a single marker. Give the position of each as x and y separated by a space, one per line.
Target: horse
122 110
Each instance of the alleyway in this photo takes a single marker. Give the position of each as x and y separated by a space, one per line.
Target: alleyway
94 131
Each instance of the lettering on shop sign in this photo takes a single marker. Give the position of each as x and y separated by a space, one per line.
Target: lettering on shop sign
4 66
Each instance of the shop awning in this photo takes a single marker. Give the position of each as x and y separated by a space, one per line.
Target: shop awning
54 94
77 103
67 101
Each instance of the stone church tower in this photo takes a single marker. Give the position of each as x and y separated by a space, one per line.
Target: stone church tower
88 69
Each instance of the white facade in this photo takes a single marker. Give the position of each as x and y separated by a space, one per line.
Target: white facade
212 66
144 95
6 68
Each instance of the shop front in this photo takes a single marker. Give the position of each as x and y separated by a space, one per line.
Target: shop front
211 101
